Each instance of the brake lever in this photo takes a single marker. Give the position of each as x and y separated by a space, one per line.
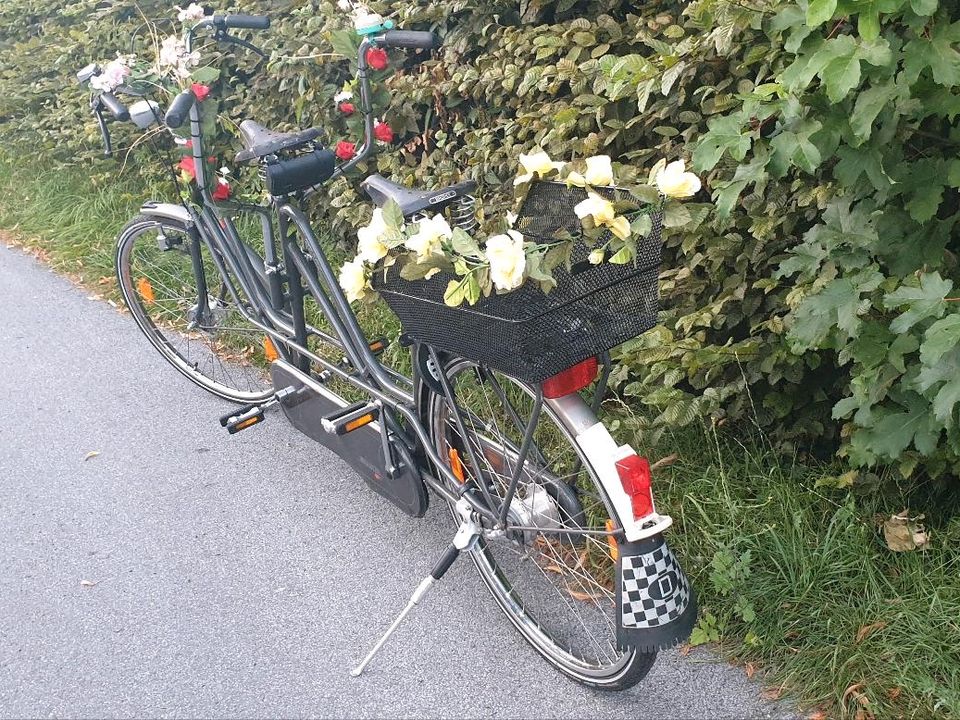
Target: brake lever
224 36
104 130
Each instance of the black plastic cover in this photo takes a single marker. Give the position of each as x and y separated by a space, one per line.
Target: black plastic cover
117 108
179 109
242 22
290 175
409 39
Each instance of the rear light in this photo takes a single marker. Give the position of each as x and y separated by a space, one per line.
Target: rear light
571 380
634 472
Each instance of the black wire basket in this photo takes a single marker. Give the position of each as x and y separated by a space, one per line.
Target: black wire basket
526 333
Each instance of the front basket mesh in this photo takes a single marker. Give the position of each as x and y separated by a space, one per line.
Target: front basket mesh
526 333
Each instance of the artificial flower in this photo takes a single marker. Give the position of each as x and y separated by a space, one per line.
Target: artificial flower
222 190
343 96
347 108
188 166
173 54
364 19
597 207
345 5
596 256
200 91
599 172
383 132
536 164
353 279
674 182
430 231
508 261
377 58
345 150
113 75
370 247
620 227
193 11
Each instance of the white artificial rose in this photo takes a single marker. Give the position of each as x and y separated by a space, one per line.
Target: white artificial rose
620 227
363 18
536 164
508 261
171 50
370 246
674 182
113 75
344 5
596 256
599 170
353 279
343 96
599 208
193 11
430 231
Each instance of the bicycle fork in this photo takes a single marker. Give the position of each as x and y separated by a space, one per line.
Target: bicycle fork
465 539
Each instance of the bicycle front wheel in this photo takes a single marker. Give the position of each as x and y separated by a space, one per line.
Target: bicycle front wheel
553 580
201 333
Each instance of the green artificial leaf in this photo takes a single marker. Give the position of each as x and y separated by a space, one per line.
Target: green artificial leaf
940 337
924 7
465 244
392 214
205 75
819 11
925 300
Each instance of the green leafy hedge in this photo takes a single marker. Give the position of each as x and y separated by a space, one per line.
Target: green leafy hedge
814 295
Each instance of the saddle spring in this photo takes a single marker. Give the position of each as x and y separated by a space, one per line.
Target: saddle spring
463 213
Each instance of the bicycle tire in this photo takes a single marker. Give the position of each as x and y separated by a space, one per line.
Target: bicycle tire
240 380
631 665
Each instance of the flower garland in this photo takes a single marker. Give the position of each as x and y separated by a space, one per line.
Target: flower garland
508 259
172 70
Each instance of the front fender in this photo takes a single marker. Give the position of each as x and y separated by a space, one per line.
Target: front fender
167 211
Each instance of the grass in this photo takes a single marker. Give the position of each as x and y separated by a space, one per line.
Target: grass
794 580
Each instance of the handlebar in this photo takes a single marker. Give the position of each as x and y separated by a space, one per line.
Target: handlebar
241 22
117 108
411 39
179 109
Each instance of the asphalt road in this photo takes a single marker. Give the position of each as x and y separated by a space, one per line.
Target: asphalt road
235 576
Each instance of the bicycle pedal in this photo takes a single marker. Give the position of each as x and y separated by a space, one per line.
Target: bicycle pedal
353 417
249 419
238 412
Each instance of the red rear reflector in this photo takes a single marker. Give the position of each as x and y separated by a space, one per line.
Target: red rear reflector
634 474
571 380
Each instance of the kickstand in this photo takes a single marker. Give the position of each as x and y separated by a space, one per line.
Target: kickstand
466 537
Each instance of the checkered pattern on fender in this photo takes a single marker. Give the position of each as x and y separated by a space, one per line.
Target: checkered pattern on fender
653 591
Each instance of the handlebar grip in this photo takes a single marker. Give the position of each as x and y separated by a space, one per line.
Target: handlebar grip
117 108
409 39
242 22
179 108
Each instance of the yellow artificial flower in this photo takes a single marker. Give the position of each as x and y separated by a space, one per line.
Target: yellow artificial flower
674 182
353 279
430 231
536 164
508 261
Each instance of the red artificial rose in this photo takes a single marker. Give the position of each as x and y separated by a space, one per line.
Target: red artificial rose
188 144
383 132
345 150
222 191
200 91
188 166
347 108
377 58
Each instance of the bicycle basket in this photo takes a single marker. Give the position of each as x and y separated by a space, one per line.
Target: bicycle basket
528 334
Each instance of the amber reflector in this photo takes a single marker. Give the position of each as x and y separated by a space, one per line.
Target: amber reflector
146 291
359 422
612 542
456 466
269 349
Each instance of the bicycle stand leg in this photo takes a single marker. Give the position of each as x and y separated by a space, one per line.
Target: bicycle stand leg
466 536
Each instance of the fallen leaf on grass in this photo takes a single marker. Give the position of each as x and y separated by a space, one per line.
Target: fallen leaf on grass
894 692
750 669
818 715
88 583
903 533
866 630
685 649
665 462
91 454
772 693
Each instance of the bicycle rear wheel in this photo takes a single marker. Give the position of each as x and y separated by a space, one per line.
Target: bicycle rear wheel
555 587
210 342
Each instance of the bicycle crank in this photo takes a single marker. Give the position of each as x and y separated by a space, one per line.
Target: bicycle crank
465 539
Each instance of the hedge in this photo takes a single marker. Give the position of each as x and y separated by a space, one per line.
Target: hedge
813 297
